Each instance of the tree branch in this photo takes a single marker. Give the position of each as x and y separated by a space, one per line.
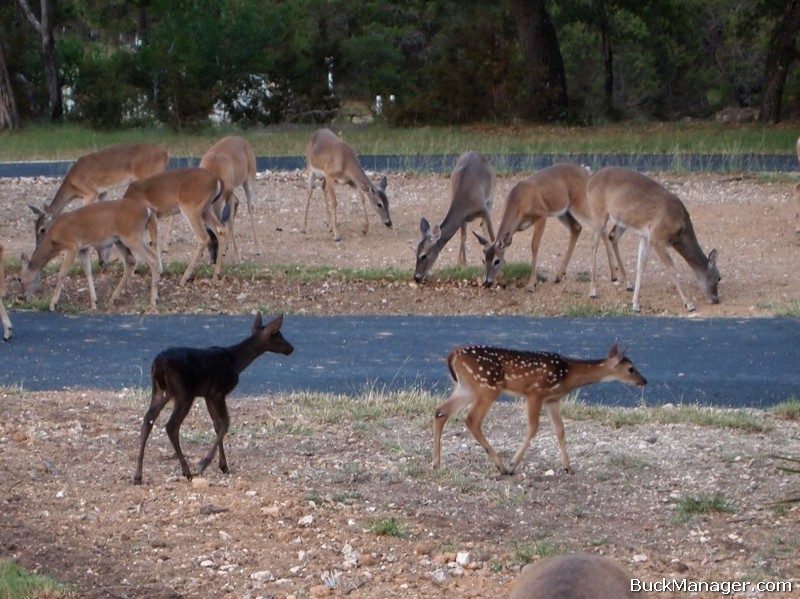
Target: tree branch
23 4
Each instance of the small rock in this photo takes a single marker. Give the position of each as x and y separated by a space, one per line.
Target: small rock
463 558
263 575
639 557
200 483
306 520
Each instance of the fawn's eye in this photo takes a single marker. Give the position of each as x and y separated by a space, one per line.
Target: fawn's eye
496 262
423 257
380 204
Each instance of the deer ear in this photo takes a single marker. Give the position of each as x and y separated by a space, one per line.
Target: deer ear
257 322
37 211
275 324
506 240
614 349
712 258
484 242
436 233
424 227
383 184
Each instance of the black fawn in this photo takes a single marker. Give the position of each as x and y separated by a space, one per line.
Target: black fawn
482 373
184 373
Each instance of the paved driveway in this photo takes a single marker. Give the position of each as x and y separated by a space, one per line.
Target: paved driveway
723 362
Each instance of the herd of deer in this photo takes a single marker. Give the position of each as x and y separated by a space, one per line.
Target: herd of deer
205 197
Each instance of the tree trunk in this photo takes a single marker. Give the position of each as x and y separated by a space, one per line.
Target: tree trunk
49 56
546 84
608 57
9 117
780 55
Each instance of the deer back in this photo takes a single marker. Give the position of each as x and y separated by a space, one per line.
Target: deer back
169 190
516 371
107 168
232 160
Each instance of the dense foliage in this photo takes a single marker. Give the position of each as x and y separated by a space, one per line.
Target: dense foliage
128 62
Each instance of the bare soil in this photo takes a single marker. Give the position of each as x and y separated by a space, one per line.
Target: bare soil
352 508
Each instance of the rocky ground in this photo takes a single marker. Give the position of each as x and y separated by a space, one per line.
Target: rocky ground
324 500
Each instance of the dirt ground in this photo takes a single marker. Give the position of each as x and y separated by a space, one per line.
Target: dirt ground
313 508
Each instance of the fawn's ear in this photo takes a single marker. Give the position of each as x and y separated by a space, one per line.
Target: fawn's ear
257 323
275 325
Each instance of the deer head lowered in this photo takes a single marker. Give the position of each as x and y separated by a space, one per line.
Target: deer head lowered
632 200
482 373
181 374
471 189
333 161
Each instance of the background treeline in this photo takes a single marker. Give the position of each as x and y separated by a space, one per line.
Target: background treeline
115 63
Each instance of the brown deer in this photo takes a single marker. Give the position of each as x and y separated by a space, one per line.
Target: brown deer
332 160
180 374
3 314
93 175
120 222
631 200
233 162
574 576
471 189
482 373
558 190
190 192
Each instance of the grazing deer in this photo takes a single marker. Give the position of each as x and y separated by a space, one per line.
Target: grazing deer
190 192
574 576
633 201
184 373
232 161
122 223
332 160
3 314
471 189
482 373
92 175
558 190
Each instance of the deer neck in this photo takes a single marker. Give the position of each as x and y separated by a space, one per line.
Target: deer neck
580 373
451 223
688 247
244 353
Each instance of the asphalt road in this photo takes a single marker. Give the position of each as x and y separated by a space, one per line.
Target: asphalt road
722 362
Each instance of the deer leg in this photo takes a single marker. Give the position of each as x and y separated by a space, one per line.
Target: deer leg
575 229
462 251
248 192
474 420
362 196
139 248
219 416
534 406
486 223
459 398
168 233
308 200
183 403
332 210
661 251
221 231
539 223
69 258
553 409
198 226
7 332
232 204
158 399
87 268
599 233
641 262
126 274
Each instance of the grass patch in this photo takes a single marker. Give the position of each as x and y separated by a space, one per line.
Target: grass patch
589 310
787 410
525 553
389 527
19 583
745 420
690 506
788 310
370 406
68 141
